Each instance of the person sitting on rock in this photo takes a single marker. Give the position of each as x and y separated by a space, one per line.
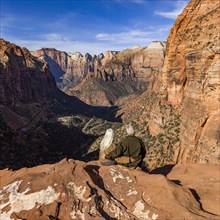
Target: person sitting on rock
130 152
106 146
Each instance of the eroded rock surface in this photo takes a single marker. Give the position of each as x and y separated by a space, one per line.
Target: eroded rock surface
191 75
23 77
203 180
32 111
76 190
180 113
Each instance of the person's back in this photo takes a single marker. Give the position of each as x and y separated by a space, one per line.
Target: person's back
131 147
134 148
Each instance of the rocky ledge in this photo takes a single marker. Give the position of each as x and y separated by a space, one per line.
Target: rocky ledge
77 190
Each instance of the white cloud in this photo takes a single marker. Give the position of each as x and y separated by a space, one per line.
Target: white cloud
136 36
132 36
102 42
53 37
179 6
67 45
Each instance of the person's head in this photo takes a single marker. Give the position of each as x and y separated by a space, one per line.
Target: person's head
129 129
107 139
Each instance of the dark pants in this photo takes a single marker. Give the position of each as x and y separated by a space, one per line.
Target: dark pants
108 163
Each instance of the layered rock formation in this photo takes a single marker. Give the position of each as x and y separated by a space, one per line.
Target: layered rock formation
132 69
191 75
23 78
68 69
128 72
179 117
76 190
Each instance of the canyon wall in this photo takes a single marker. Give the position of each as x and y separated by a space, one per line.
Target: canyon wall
179 116
23 77
129 71
31 108
126 65
191 75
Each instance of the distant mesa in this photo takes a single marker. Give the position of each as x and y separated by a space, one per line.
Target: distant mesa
157 45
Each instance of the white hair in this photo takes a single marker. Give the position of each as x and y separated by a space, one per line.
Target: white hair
107 139
129 129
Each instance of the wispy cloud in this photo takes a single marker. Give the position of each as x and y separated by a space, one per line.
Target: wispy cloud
132 36
69 46
179 6
136 36
64 21
54 37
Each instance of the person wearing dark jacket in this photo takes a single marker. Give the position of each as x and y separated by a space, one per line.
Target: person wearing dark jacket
131 147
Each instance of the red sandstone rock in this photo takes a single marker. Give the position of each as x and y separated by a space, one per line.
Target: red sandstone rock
191 75
77 190
203 180
188 86
136 65
23 77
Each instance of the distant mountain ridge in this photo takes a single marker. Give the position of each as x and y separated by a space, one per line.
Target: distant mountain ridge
133 69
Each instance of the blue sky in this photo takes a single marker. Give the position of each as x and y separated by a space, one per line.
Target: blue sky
92 26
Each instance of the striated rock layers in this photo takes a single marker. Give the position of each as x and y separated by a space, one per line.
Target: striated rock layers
68 69
23 78
132 69
77 190
181 112
191 74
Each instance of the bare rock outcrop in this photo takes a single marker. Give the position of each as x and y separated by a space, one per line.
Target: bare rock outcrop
203 181
77 190
23 77
135 63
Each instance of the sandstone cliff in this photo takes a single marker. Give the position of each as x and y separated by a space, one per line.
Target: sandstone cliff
23 78
179 116
77 190
130 71
191 73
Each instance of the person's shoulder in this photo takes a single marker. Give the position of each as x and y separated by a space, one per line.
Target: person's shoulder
138 139
133 137
129 137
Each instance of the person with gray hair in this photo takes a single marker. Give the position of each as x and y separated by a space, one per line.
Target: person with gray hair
107 146
129 129
131 147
